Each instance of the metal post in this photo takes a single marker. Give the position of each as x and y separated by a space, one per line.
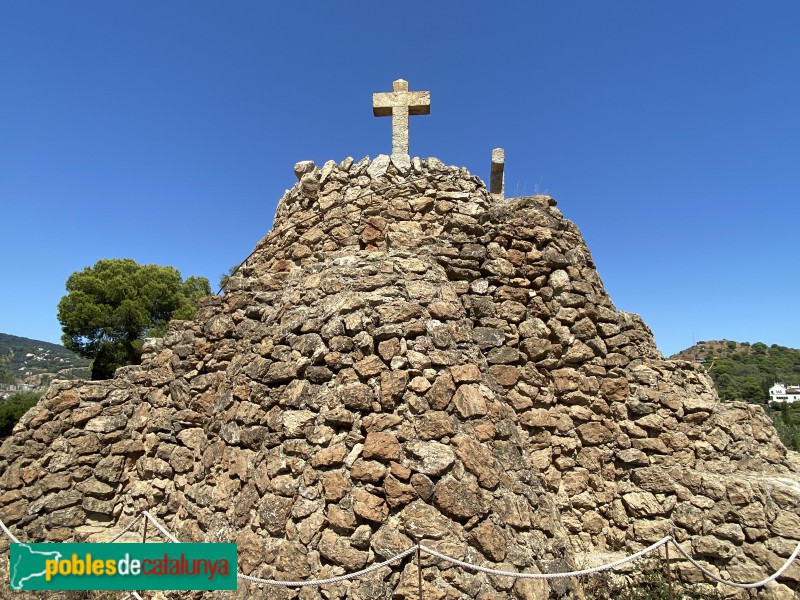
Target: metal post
669 571
419 572
144 531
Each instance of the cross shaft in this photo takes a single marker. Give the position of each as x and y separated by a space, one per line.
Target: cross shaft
400 103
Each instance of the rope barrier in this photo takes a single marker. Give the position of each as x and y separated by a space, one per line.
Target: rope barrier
460 563
125 530
490 571
158 526
517 575
313 582
756 584
9 535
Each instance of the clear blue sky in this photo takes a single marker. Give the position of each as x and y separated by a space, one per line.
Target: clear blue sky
669 132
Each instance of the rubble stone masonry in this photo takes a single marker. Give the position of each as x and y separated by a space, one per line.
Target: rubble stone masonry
405 358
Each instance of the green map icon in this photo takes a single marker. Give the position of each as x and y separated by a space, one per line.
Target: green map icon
27 564
122 566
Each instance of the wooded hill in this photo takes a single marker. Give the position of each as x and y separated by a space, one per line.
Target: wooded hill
38 362
744 371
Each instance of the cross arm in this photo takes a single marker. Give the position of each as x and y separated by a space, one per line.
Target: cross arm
419 103
382 104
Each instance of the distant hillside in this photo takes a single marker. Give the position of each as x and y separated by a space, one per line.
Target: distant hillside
744 371
37 363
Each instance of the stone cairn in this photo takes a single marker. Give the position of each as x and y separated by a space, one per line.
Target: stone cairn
406 358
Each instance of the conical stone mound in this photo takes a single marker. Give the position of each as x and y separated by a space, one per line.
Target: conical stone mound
405 358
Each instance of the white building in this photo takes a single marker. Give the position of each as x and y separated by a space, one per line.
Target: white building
780 392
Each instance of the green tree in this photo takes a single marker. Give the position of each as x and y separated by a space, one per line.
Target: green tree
750 390
110 307
748 372
787 421
12 409
225 277
5 375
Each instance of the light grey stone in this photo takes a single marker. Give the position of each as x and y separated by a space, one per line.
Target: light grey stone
378 166
402 163
430 458
303 167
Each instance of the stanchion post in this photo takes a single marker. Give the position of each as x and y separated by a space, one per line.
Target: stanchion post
144 529
419 570
669 571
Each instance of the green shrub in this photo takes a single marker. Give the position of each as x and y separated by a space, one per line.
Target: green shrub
12 409
650 582
654 585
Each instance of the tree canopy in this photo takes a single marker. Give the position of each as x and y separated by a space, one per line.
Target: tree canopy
746 372
111 307
225 277
12 409
5 374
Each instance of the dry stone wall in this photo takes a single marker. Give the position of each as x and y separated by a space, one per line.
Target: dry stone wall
404 358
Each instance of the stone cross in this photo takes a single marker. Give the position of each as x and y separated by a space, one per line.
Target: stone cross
497 182
400 103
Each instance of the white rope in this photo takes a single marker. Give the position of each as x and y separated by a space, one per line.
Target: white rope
158 526
756 584
489 571
461 563
9 535
125 530
316 582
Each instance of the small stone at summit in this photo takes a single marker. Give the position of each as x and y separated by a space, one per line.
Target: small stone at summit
303 167
402 163
378 167
497 183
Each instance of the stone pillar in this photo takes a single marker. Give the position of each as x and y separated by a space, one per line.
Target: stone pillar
497 181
